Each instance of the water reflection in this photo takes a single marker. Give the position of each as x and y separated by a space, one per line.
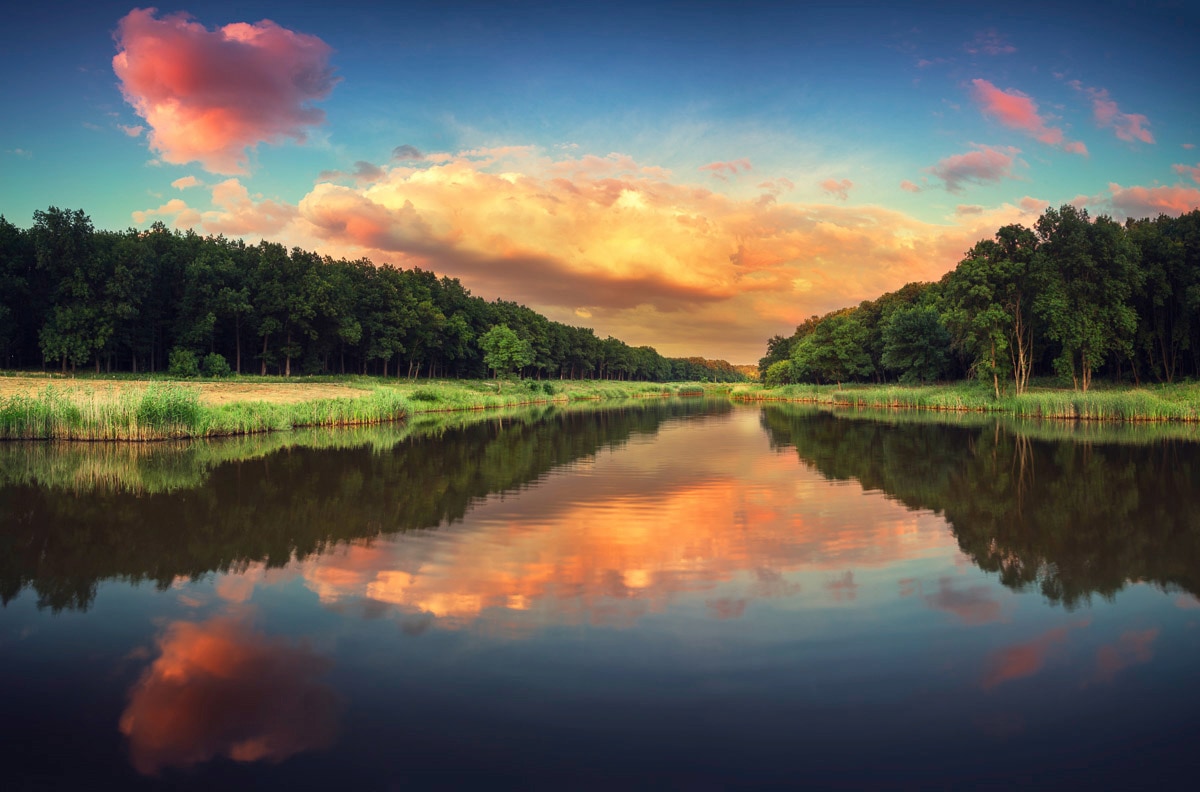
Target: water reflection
222 688
1068 518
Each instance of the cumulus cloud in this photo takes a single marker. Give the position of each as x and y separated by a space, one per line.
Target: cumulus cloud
209 95
839 189
175 210
651 259
220 688
985 164
1015 110
185 182
1126 126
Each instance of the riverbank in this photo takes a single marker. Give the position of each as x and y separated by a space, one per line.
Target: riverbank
1178 402
40 408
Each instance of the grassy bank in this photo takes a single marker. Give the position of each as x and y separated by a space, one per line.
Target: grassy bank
1179 402
135 411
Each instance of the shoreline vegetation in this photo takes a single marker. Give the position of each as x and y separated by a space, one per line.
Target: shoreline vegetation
138 410
127 410
1179 402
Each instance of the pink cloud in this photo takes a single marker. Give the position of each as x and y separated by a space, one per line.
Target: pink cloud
1015 110
719 169
1188 170
1126 126
1187 145
1149 201
236 214
908 186
209 95
132 131
985 164
839 189
1025 659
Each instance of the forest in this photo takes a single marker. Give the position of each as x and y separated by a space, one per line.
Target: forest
1073 297
159 300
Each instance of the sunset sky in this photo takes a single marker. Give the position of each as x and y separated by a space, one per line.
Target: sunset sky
694 176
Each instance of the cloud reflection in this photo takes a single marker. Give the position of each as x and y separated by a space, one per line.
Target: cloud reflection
221 688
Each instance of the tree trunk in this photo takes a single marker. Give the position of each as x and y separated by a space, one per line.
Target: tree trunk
264 357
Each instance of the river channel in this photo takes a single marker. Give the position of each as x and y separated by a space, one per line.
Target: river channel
683 593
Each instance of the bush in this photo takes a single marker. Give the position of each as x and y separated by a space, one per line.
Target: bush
215 365
183 364
548 388
424 395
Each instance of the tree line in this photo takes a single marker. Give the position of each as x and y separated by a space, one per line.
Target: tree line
1074 297
133 300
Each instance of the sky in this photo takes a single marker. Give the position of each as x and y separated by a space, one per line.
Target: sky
693 176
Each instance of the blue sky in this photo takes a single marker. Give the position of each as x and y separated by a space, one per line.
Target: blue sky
696 176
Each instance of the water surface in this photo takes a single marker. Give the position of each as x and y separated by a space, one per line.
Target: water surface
678 593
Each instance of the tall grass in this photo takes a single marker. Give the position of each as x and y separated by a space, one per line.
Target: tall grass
1163 403
165 410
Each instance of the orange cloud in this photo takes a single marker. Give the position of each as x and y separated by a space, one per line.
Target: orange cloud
610 559
1015 110
1024 659
985 164
720 169
210 95
653 261
185 182
176 209
219 688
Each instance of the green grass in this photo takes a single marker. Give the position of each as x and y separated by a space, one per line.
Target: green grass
1179 402
171 410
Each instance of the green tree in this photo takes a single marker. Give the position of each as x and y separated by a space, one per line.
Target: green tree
504 352
916 344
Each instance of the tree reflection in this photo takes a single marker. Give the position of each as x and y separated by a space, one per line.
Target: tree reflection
1069 518
289 502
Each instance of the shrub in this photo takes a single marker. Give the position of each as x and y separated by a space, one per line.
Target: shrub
215 365
183 364
423 395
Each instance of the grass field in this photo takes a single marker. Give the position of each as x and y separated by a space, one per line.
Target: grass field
40 408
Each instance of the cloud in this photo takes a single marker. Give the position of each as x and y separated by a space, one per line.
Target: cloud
1188 146
132 131
1015 110
209 95
720 169
908 186
237 215
20 152
838 189
1133 648
1126 202
654 260
220 688
1188 170
1024 659
989 42
176 210
185 182
985 164
363 173
1126 126
407 152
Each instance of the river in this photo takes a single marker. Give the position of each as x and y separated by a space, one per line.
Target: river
683 593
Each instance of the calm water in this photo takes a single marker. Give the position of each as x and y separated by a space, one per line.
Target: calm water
685 593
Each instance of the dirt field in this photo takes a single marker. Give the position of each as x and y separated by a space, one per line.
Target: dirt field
210 392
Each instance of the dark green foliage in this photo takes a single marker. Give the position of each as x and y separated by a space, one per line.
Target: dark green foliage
183 364
916 344
215 365
72 295
1074 297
